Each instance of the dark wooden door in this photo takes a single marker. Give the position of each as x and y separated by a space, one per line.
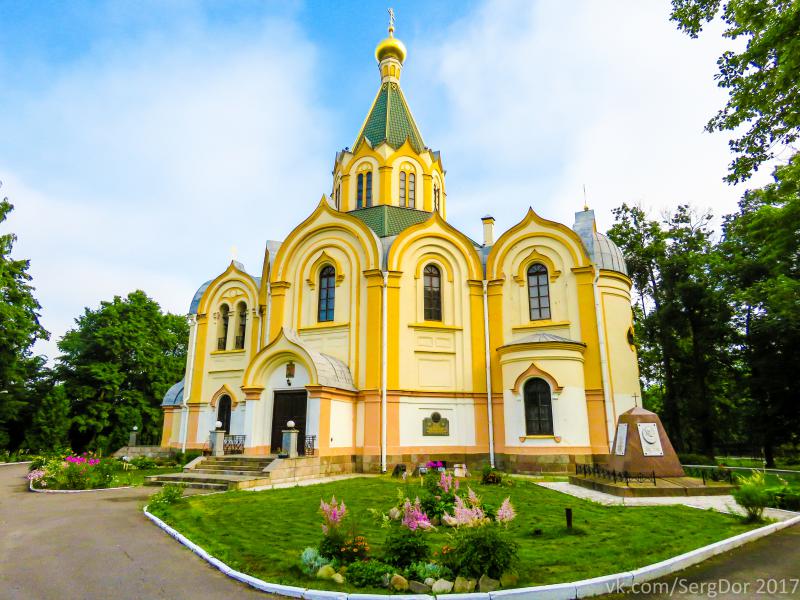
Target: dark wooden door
289 406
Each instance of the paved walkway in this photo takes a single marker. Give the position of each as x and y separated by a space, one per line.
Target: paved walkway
721 503
96 545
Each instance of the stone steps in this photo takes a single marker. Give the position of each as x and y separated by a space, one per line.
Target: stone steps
220 473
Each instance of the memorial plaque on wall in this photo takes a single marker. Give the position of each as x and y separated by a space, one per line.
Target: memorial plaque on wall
651 442
622 439
436 424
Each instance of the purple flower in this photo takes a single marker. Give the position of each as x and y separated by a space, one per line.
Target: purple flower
414 517
333 513
506 512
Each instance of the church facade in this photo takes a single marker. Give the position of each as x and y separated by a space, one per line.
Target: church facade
388 336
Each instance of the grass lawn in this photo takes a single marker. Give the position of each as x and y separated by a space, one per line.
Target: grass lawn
263 533
136 477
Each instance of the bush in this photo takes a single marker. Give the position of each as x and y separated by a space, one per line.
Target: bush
404 546
311 561
171 493
474 551
491 476
784 498
184 458
420 571
143 462
752 495
368 573
696 459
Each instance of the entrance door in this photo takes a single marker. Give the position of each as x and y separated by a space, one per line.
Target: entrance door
224 412
289 406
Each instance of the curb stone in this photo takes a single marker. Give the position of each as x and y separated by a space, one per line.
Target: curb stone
39 491
559 591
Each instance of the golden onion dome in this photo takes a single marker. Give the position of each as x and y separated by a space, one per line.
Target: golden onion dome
391 46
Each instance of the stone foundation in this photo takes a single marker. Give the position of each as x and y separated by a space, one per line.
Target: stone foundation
297 469
513 463
148 451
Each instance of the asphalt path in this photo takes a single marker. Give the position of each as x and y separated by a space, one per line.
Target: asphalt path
96 545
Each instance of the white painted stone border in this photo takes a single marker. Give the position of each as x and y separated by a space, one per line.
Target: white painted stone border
41 491
24 462
559 591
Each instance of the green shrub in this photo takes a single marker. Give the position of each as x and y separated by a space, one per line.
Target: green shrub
343 549
403 546
491 476
184 458
311 561
752 495
420 571
474 551
696 459
170 493
143 462
368 573
784 498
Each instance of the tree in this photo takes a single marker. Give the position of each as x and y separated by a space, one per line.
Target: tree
761 252
51 422
764 89
19 330
116 365
681 320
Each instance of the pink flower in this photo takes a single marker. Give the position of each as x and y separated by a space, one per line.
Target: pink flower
467 515
506 512
473 497
333 513
414 517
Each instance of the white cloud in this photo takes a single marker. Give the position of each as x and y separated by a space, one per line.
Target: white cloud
144 163
545 97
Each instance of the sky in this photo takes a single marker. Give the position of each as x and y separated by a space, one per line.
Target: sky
144 144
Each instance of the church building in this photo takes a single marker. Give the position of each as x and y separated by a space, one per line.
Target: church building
389 336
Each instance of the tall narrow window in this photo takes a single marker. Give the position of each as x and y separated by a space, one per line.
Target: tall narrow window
240 333
224 320
412 192
224 412
432 294
538 292
327 293
360 191
436 198
339 197
402 188
538 408
369 188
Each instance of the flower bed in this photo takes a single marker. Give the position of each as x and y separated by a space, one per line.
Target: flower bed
509 536
74 472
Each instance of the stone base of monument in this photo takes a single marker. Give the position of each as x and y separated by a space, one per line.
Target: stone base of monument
643 463
639 487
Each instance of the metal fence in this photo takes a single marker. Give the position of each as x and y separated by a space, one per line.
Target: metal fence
233 444
616 476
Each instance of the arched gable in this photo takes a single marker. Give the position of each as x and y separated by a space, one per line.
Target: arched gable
223 391
436 228
325 218
233 274
532 225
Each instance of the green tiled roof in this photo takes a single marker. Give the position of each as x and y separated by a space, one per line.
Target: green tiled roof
386 220
390 119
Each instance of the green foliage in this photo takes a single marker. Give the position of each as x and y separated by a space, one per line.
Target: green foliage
761 79
784 498
491 476
752 495
170 493
485 549
184 458
368 573
21 373
116 365
143 462
420 571
51 422
688 458
311 561
403 546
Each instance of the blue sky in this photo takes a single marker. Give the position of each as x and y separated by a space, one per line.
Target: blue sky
143 140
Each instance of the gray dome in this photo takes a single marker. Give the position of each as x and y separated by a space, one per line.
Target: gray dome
607 254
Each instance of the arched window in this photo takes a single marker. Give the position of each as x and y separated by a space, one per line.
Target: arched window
224 412
538 292
436 198
432 295
360 191
538 408
402 188
327 293
369 188
338 197
241 309
222 332
411 190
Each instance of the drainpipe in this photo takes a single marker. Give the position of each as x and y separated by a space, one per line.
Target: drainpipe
604 374
384 303
488 370
187 385
265 330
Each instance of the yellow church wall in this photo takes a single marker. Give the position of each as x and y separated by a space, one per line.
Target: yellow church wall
618 321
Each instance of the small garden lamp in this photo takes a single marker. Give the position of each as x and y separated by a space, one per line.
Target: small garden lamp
218 425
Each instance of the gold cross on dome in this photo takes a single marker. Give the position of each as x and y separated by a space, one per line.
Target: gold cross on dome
391 20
